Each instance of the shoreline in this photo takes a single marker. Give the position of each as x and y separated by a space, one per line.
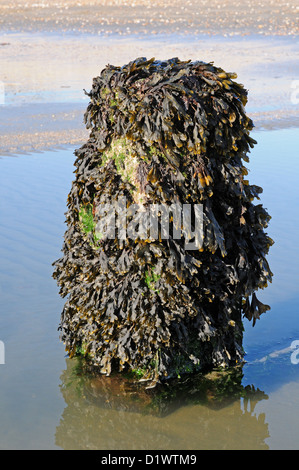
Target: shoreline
278 17
58 134
44 71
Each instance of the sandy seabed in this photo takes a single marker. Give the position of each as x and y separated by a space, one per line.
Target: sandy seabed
50 51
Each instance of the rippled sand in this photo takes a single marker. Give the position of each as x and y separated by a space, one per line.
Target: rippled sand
152 17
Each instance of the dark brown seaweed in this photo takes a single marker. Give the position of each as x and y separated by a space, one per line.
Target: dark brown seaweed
164 132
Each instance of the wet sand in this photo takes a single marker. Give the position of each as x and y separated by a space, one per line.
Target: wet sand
49 53
125 17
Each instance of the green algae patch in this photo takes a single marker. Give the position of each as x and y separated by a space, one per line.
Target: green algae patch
86 219
165 299
125 161
151 278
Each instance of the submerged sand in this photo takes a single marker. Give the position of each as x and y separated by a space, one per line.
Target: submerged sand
50 51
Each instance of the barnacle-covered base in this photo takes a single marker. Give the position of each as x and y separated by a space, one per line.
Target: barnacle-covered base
163 134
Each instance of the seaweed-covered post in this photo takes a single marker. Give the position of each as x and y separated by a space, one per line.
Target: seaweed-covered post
164 134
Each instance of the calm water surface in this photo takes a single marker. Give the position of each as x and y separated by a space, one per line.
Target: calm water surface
45 404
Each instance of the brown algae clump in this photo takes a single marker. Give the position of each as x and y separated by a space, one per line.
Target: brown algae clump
163 135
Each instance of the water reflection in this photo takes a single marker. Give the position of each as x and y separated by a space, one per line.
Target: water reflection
194 413
35 412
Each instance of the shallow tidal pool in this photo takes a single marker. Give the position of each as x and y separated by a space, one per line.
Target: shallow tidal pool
46 403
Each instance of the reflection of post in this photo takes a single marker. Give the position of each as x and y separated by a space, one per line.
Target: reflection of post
99 405
2 353
2 93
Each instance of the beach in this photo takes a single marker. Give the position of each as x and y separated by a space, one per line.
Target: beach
50 52
125 17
